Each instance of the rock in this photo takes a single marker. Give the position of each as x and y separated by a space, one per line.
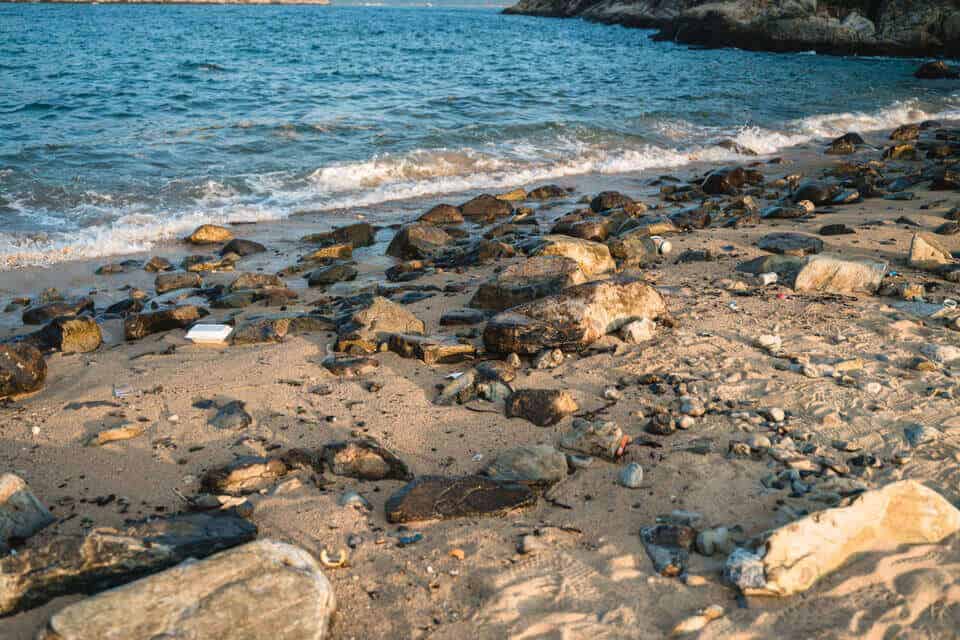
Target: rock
784 212
232 415
485 208
242 248
255 281
725 181
826 273
72 335
21 516
599 438
713 541
156 264
548 359
668 546
845 144
941 353
538 465
331 274
945 180
210 234
457 317
696 623
835 230
635 246
57 309
372 322
906 132
920 434
610 200
364 460
786 267
903 151
948 229
104 558
22 370
436 497
631 476
180 280
245 475
575 318
651 225
514 195
356 235
419 241
253 588
547 192
139 325
592 257
927 253
793 244
261 330
936 70
442 214
638 331
430 349
351 367
800 553
819 193
542 407
529 280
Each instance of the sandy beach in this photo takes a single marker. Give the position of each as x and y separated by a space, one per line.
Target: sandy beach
841 391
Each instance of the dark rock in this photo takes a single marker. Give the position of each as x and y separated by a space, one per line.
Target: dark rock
781 212
903 151
125 266
946 180
819 193
529 280
725 181
419 241
845 144
358 234
691 218
173 281
22 369
59 309
456 317
242 248
668 547
139 325
542 407
442 214
261 330
835 230
583 225
948 229
332 274
485 208
610 200
105 558
547 192
936 70
906 132
792 244
254 281
364 460
436 497
232 415
156 263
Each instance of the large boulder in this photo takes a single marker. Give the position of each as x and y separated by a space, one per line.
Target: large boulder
72 335
371 323
485 208
139 325
795 556
927 253
210 234
533 278
21 514
263 590
594 258
419 241
22 369
835 275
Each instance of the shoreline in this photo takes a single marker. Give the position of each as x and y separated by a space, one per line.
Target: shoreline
846 374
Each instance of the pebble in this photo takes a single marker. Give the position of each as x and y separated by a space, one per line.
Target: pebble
514 360
612 393
759 441
686 422
873 388
631 476
776 414
770 343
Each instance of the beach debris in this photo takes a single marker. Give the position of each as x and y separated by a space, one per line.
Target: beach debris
438 497
209 333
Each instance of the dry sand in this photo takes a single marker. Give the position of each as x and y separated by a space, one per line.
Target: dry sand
592 578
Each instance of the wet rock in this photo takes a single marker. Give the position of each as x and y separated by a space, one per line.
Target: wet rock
232 415
419 241
105 558
548 192
902 151
927 253
372 322
253 588
529 280
166 282
199 263
819 193
631 476
210 234
725 181
22 370
364 460
442 214
936 70
538 465
456 317
542 407
113 268
826 273
21 516
351 367
802 552
599 438
330 253
906 132
436 497
157 264
57 309
668 547
845 144
358 234
485 208
835 230
324 276
610 200
242 248
793 244
592 257
243 476
430 349
583 226
139 325
255 281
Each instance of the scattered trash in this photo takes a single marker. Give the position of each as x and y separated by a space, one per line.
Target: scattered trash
122 390
209 333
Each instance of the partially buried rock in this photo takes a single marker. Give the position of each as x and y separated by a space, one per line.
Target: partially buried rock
599 438
139 325
724 181
795 556
538 465
364 460
157 263
927 253
358 234
430 349
542 407
437 497
819 193
835 230
210 234
21 516
531 279
253 588
106 558
245 475
242 248
232 415
173 281
592 257
668 546
793 244
419 241
22 370
826 273
485 208
57 309
610 200
255 281
324 276
371 322
547 192
72 335
351 367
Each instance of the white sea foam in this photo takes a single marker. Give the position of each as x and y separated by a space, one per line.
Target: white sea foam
430 173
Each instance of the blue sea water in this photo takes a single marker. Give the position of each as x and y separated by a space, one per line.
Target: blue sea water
121 125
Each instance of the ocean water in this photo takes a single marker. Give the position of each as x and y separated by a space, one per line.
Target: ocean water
122 126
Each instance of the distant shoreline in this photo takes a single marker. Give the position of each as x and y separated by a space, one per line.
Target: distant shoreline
237 2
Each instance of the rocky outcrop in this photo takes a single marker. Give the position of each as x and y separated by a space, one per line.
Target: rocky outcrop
893 27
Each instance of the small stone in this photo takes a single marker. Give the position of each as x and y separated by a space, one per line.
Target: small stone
638 331
542 407
21 513
548 359
920 434
631 476
776 414
599 438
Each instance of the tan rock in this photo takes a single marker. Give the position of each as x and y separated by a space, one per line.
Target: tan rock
210 234
21 513
594 258
826 273
905 512
927 253
261 590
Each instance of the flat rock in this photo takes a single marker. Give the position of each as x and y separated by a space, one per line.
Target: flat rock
430 349
793 244
358 234
542 407
21 513
242 248
927 253
456 317
253 588
22 369
243 476
485 208
331 274
437 497
800 553
105 558
529 280
537 465
364 460
232 415
371 323
826 273
57 309
255 281
592 257
139 325
166 282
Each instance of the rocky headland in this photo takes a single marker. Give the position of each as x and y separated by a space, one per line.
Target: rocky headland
848 27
